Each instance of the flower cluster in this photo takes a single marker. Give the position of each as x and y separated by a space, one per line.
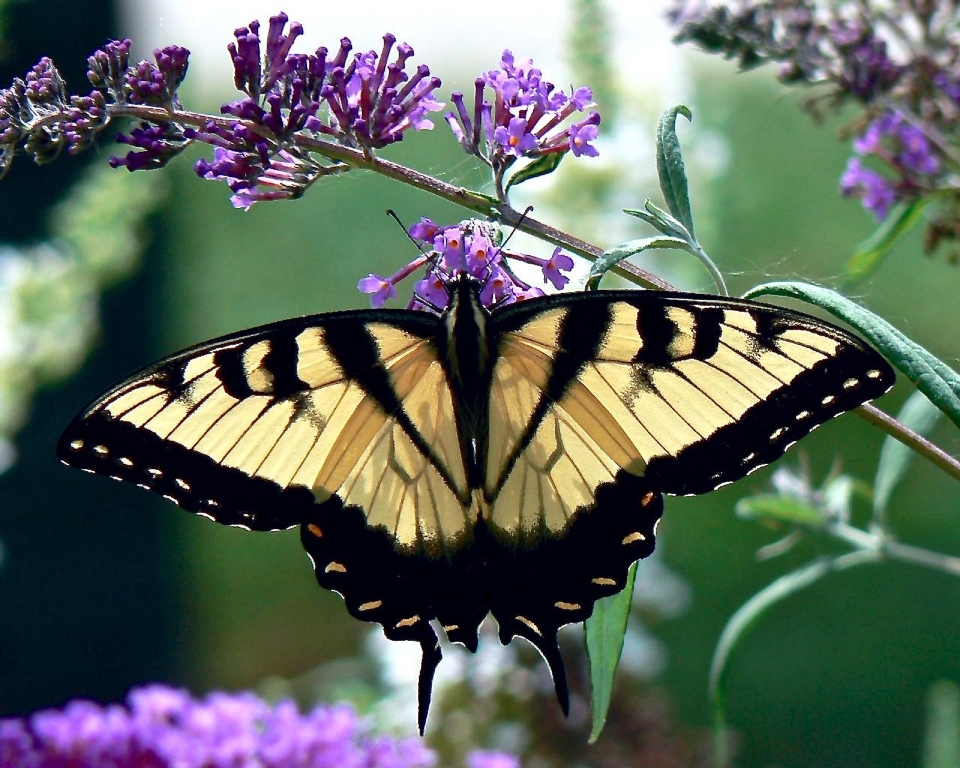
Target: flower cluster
38 115
360 100
355 99
899 60
524 120
904 148
811 44
469 248
163 727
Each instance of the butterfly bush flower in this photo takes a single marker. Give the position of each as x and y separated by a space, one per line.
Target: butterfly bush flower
899 62
362 100
162 727
468 248
905 150
524 119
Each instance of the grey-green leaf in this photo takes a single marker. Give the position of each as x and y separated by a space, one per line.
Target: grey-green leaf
938 381
660 220
673 177
871 251
604 632
784 509
609 259
540 167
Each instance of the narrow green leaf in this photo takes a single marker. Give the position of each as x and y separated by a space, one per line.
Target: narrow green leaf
660 220
540 167
604 632
747 616
673 177
941 744
871 251
784 509
933 377
610 259
918 414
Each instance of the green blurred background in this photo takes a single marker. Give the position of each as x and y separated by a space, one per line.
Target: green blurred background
103 587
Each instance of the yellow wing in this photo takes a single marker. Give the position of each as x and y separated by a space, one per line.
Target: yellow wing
690 392
601 402
250 429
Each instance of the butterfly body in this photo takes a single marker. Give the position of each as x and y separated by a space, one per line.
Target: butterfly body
507 462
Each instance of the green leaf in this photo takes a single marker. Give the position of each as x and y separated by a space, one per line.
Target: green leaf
747 616
660 220
785 509
540 167
941 744
918 414
872 250
673 177
604 632
938 381
609 259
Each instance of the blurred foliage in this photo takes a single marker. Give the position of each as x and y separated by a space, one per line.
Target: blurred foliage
941 747
49 291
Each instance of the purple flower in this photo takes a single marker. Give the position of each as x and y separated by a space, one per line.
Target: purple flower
430 293
373 102
581 134
905 149
523 119
379 288
424 230
865 68
557 263
166 728
157 143
107 67
370 102
484 759
156 84
875 191
915 153
515 139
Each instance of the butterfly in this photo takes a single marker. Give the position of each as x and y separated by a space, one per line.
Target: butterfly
509 461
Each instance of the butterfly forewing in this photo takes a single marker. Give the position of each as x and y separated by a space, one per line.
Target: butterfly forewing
689 391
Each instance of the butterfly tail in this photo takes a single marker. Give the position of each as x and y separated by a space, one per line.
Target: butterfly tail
544 639
428 666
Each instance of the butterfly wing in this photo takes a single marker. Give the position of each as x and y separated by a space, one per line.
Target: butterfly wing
343 424
601 402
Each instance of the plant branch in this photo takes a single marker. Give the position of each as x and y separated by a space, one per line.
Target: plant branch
478 203
915 442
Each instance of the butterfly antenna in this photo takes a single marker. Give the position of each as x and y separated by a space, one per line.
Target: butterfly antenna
526 212
393 215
